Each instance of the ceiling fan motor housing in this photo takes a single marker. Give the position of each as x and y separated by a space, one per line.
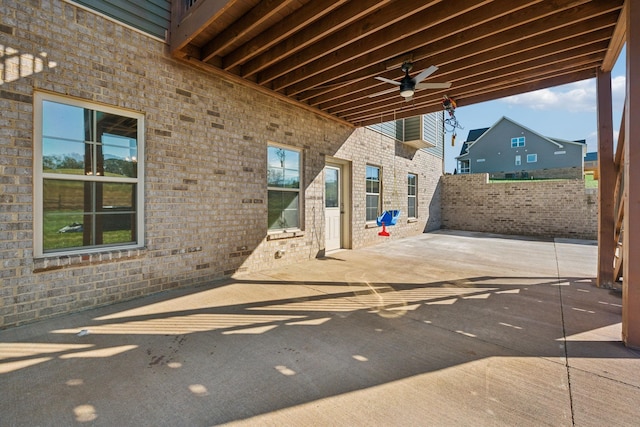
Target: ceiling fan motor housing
407 85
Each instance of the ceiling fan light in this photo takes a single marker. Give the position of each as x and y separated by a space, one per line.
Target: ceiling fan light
407 92
407 88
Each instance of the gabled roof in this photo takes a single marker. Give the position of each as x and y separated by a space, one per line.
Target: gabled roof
477 134
472 136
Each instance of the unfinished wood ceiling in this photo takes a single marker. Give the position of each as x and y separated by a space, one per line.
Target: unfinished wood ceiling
325 55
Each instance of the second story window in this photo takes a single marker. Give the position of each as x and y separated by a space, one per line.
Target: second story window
517 142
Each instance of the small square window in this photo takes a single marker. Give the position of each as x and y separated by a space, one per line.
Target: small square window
517 142
532 158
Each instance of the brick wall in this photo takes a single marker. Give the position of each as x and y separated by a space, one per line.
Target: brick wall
205 165
554 208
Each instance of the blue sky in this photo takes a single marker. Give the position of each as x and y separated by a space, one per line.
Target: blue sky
567 112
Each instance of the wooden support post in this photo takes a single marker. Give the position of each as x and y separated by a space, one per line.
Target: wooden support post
631 223
606 182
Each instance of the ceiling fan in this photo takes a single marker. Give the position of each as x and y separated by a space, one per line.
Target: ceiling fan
409 85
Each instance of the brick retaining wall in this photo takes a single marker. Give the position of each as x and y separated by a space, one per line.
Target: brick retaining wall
553 208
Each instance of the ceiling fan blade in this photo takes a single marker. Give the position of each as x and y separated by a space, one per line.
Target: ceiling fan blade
445 85
384 92
425 73
393 82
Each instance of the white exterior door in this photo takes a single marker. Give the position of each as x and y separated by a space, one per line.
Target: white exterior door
332 208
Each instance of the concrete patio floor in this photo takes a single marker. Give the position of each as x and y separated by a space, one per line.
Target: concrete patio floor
446 328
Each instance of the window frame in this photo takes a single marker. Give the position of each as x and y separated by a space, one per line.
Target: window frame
39 176
412 197
368 193
535 158
518 160
299 191
518 141
464 166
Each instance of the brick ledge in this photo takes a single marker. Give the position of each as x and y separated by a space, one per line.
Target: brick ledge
47 264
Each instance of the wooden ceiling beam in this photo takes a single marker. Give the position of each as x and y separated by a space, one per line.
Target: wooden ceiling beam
487 84
254 18
487 64
385 55
386 26
494 47
617 40
488 50
293 23
187 24
324 54
495 19
381 20
340 18
410 111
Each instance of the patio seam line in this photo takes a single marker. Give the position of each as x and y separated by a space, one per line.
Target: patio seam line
564 335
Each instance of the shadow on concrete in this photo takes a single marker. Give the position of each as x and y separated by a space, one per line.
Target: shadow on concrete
262 349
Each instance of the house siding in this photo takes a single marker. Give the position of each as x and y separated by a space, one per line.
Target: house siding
205 166
433 131
492 153
150 16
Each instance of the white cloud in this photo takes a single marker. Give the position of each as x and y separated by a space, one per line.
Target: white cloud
592 140
618 87
574 97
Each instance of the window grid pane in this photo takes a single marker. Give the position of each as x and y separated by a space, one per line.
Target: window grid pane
372 185
86 212
412 181
283 184
518 142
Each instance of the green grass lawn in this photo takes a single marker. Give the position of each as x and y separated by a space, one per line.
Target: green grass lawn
589 181
54 221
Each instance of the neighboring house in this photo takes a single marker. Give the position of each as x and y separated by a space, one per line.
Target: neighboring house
591 163
510 150
125 172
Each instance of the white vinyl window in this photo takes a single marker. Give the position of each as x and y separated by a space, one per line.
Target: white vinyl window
517 142
284 166
88 176
412 187
464 166
518 160
372 192
532 158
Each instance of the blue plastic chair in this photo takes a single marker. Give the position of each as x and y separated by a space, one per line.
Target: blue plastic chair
388 217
